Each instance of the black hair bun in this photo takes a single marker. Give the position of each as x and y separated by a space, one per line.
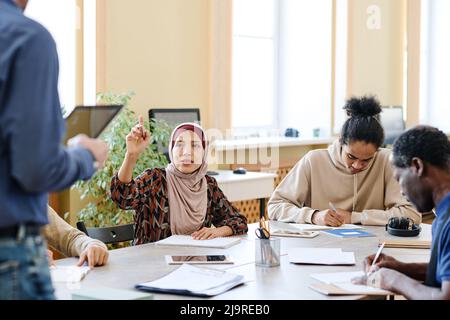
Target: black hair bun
367 106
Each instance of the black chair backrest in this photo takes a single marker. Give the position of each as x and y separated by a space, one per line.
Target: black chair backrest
109 234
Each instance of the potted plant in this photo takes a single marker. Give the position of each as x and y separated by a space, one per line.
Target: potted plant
101 210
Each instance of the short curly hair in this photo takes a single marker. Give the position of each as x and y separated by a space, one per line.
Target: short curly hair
424 142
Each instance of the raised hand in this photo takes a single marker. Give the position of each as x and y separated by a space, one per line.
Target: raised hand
138 139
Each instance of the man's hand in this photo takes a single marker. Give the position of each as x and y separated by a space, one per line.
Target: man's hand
327 218
211 233
380 278
94 255
97 147
51 262
383 261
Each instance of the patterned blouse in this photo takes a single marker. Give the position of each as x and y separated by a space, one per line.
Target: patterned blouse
147 195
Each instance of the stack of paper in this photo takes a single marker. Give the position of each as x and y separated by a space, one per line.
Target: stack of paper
409 244
326 256
340 283
195 281
68 273
187 241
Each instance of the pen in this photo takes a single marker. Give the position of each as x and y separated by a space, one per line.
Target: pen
377 255
332 207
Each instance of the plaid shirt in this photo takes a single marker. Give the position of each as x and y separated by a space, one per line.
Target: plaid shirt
147 196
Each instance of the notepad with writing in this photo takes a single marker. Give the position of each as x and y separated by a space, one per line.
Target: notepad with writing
339 283
194 281
187 241
325 256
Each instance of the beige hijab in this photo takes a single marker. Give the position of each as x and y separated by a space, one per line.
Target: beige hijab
187 193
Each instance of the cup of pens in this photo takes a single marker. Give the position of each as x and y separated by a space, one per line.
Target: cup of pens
267 249
267 252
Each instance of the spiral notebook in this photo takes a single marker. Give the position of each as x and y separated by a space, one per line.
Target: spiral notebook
187 241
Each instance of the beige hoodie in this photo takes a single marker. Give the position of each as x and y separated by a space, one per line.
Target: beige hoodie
373 195
66 239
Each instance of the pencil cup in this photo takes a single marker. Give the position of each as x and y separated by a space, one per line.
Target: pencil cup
267 252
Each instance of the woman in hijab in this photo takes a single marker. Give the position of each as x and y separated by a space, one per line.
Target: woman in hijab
180 199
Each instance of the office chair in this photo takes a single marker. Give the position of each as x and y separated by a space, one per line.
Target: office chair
109 235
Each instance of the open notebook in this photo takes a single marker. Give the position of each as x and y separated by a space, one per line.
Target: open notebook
194 281
187 241
340 283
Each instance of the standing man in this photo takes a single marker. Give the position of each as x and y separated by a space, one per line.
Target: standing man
33 160
421 160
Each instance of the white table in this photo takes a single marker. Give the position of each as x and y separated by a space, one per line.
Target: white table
249 186
130 266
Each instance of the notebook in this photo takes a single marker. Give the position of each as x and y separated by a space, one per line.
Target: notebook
339 283
187 241
349 233
101 293
308 227
410 244
348 289
325 256
194 281
68 273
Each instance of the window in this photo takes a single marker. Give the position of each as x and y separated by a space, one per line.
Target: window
435 64
253 63
60 19
282 64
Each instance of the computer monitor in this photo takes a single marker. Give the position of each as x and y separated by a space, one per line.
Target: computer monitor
392 122
174 117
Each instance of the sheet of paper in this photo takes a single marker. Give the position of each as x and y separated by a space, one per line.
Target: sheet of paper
68 273
337 277
326 256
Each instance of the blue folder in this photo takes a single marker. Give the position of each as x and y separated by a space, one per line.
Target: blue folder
349 233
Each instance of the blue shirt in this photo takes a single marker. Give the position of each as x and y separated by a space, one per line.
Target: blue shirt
33 160
443 243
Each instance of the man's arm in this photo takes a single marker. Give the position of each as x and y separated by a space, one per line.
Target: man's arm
413 289
34 126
